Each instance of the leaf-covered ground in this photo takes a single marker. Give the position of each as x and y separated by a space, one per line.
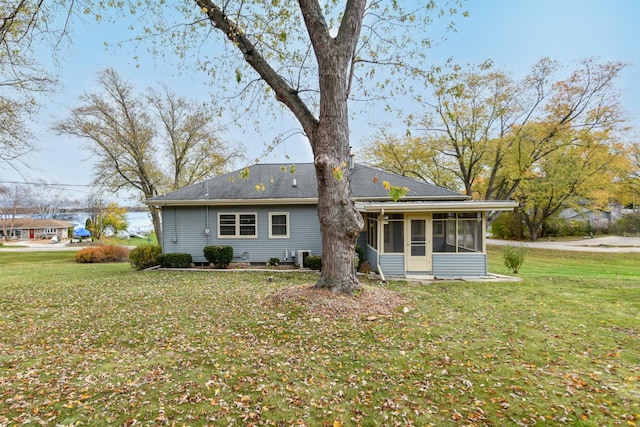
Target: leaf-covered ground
104 345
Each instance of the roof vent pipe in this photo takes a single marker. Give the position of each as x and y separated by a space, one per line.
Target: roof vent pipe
350 159
295 183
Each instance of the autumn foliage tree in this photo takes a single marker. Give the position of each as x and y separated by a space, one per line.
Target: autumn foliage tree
503 139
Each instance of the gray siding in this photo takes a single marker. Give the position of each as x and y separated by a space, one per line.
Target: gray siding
459 265
362 240
392 264
184 231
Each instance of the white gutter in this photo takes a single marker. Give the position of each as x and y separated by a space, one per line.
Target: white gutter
232 202
281 201
459 206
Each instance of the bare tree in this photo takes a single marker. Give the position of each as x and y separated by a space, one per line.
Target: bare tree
119 125
46 200
191 139
120 132
13 200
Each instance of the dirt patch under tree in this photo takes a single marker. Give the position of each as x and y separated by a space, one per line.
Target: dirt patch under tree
369 303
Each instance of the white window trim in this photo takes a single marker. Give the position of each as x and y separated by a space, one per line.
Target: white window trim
237 226
288 226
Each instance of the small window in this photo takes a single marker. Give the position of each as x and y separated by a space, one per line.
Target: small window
237 225
278 225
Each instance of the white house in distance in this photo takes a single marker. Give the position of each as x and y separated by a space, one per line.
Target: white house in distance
272 213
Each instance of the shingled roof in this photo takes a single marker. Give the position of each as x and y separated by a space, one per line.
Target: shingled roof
277 181
24 223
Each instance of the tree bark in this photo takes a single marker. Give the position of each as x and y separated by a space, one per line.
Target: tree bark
157 225
340 222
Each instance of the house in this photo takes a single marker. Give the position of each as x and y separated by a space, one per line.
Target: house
596 218
34 229
271 213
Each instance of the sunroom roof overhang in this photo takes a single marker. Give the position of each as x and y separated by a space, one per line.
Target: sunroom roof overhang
447 206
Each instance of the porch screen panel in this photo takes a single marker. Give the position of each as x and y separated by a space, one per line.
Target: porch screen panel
457 232
394 233
469 232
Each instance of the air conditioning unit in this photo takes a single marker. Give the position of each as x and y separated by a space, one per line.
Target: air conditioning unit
301 256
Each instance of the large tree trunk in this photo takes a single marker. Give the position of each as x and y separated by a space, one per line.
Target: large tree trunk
157 224
340 222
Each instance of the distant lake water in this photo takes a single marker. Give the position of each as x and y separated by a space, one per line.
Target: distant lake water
139 222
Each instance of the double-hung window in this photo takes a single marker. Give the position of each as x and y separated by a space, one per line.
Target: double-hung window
278 225
232 225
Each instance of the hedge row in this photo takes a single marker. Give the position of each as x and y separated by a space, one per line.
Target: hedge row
175 260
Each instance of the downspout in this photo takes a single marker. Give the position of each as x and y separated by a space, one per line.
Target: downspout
379 239
208 230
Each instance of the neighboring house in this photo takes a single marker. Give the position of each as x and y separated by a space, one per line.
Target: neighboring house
34 229
272 214
598 218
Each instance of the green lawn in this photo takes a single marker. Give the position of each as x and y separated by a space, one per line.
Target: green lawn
103 344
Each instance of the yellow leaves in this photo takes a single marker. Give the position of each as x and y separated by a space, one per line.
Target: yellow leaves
337 173
259 187
244 173
395 192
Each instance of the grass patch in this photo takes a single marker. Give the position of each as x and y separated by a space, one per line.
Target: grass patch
102 344
134 241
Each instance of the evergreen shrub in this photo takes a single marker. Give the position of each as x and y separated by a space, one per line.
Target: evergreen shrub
175 260
145 256
313 262
219 256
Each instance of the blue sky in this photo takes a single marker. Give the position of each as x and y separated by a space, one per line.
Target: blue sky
513 33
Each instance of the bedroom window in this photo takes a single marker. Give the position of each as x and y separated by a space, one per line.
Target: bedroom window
278 225
237 225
